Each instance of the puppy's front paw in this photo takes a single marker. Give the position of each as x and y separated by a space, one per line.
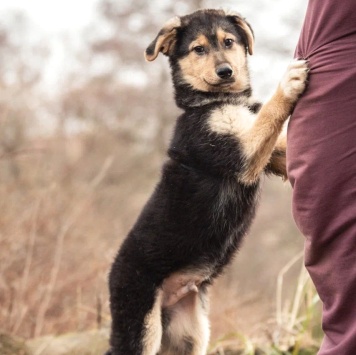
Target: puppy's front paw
294 80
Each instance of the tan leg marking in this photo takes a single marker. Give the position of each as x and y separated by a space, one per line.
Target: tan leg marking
153 328
258 143
189 320
277 164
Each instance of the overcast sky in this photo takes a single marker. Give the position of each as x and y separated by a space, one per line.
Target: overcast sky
54 16
57 16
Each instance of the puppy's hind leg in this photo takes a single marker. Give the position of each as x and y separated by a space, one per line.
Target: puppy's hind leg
186 326
135 304
153 327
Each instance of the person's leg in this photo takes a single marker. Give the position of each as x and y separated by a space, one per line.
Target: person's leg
321 161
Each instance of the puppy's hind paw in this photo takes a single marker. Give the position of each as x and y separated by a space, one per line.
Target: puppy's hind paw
295 79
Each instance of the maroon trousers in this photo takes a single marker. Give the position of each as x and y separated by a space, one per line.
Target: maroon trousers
321 158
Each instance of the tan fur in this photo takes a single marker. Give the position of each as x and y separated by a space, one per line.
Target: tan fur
188 312
248 32
259 142
153 325
221 35
165 40
189 320
200 41
278 164
200 70
237 59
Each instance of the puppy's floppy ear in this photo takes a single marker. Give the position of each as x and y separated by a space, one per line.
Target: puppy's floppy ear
164 41
245 26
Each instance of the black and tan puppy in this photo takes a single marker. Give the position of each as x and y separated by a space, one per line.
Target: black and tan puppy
204 203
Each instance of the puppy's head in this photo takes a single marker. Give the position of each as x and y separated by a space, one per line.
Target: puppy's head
207 50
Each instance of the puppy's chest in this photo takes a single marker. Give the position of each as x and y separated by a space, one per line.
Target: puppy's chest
233 120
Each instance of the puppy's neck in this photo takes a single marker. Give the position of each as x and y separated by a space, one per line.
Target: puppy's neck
187 97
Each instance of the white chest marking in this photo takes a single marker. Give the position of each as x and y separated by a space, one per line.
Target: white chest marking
231 119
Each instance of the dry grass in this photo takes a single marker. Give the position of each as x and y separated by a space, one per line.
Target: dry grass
59 232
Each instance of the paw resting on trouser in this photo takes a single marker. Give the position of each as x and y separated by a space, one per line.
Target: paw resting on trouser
294 80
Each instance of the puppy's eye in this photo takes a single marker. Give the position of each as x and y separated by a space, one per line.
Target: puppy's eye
199 49
228 42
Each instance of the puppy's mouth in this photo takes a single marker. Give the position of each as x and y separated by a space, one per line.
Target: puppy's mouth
222 84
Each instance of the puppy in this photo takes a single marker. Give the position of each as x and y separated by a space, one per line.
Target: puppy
205 201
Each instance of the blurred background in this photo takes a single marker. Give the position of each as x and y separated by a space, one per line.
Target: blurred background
84 126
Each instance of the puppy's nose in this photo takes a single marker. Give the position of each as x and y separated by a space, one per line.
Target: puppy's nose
224 71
